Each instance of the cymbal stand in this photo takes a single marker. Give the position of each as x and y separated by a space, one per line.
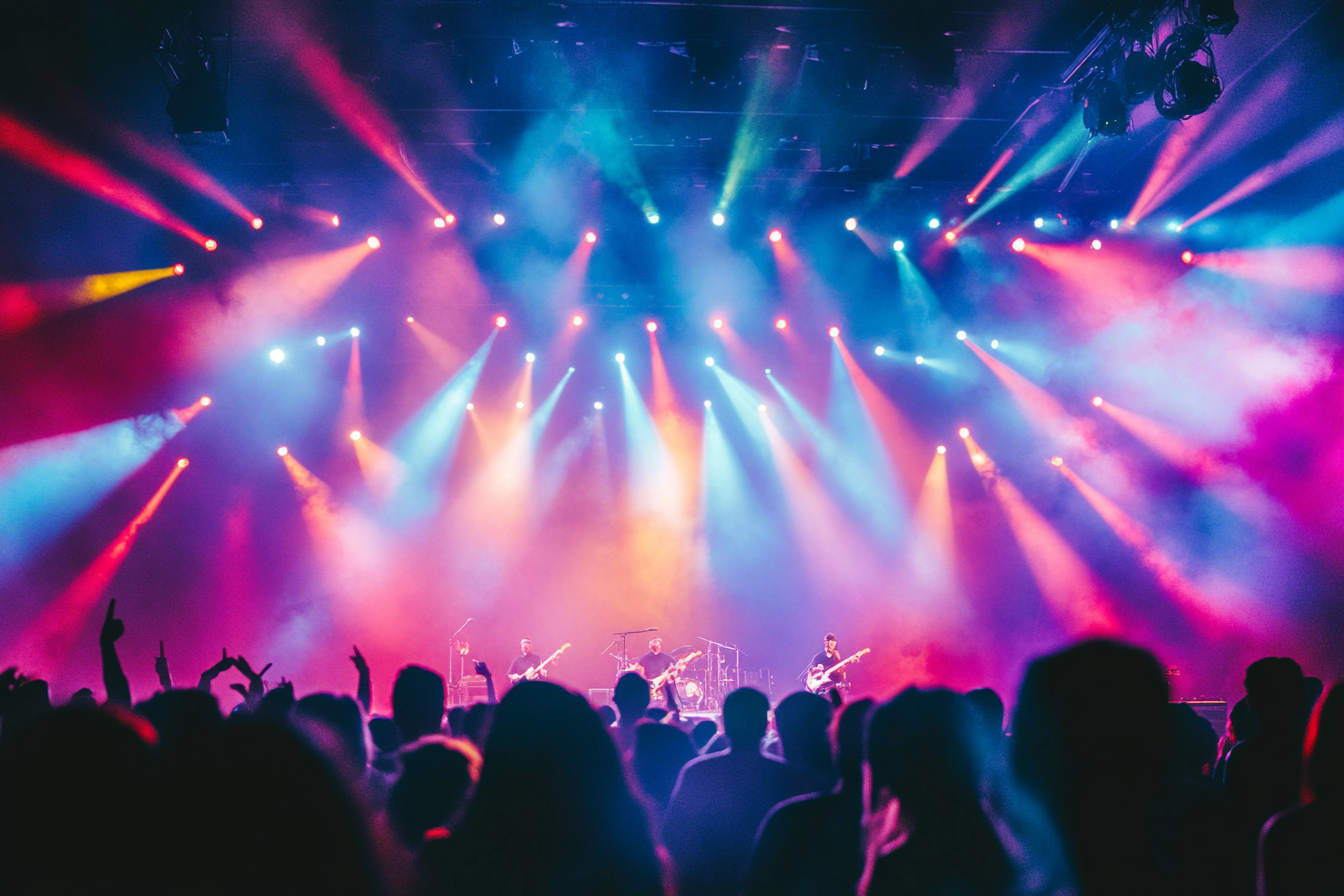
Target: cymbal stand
456 692
623 659
718 672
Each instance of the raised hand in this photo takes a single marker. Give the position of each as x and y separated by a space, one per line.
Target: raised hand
481 668
113 628
364 689
214 671
361 664
254 683
161 669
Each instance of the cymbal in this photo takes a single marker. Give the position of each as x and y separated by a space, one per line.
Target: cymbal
680 650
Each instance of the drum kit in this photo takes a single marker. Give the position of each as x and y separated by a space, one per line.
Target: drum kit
706 679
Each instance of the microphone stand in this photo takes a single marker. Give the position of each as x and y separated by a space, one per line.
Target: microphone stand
455 687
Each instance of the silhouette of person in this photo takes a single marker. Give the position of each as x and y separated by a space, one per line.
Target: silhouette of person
721 799
802 720
632 701
552 813
655 662
809 845
418 698
660 753
437 776
1091 735
1300 851
926 750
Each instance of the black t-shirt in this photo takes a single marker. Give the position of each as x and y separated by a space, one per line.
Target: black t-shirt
655 664
524 662
826 662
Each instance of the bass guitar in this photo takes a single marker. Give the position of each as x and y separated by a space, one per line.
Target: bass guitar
656 683
820 678
534 672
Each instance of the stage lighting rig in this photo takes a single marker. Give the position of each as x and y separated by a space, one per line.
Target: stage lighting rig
193 54
1188 86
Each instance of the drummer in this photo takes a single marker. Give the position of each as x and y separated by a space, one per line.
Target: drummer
655 662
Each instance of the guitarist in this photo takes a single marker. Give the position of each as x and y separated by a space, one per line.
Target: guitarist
524 663
829 656
655 662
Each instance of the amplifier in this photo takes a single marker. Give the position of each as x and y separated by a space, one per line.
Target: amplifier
600 696
1213 710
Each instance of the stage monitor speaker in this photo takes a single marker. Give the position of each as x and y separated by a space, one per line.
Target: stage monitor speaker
600 696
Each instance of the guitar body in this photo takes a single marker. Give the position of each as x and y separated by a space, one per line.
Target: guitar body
656 685
819 680
534 673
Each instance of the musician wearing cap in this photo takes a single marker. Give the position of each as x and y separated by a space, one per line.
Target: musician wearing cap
528 660
828 658
655 662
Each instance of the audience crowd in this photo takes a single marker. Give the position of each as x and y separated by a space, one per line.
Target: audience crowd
1099 786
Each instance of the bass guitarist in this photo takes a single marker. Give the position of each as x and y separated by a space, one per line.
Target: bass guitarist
524 663
829 656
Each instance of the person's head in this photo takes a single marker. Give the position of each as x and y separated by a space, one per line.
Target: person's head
437 776
656 713
75 786
660 752
476 723
631 697
456 715
525 646
1241 721
989 706
1323 751
847 732
226 780
655 646
802 720
336 726
418 697
1275 689
1194 743
830 643
607 714
746 714
1091 735
83 698
181 712
703 733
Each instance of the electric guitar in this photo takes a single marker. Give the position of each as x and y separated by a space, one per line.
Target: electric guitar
656 683
819 678
534 672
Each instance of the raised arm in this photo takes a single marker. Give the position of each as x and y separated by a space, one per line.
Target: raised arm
114 678
209 675
364 690
161 669
484 671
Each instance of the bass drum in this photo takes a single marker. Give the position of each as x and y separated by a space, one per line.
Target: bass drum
690 693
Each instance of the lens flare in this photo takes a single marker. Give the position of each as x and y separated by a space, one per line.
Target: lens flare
934 223
206 401
590 237
1097 402
577 320
942 449
781 323
950 236
519 405
1187 256
374 242
851 223
993 343
530 356
1019 244
498 219
1057 461
211 245
620 357
256 223
282 451
718 219
880 350
335 222
410 320
1096 244
776 236
354 331
899 245
651 326
718 323
277 355
501 321
709 362
707 402
439 222
597 405
321 340
653 218
356 435
834 331
179 269
919 359
1038 223
961 334
964 432
182 463
471 405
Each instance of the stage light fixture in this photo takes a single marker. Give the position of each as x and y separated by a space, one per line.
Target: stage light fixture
760 408
709 362
942 449
776 236
919 359
718 219
182 463
993 343
374 242
653 218
718 323
597 405
1174 226
880 350
211 245
1057 461
356 435
354 331
851 223
1096 244
767 372
1188 87
651 326
1039 222
1187 256
899 245
321 340
518 405
1019 244
620 357
498 219
950 236
501 321
577 320
335 220
179 269
282 451
707 402
530 356
964 432
781 323
934 223
1097 402
256 223
277 355
961 335
834 331
410 320
1218 16
439 222
590 237
1104 109
471 405
1115 223
206 401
